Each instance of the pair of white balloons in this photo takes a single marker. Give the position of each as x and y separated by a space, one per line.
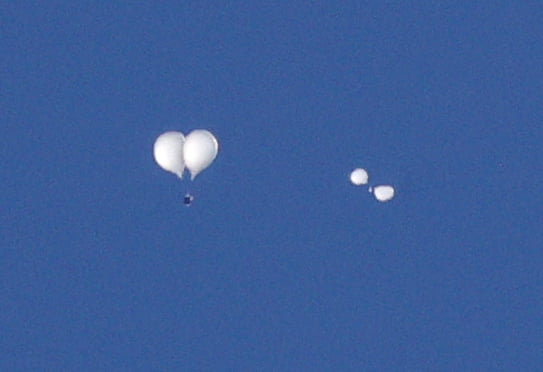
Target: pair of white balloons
382 193
173 151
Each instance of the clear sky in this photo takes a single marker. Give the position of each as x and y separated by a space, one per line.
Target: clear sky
280 264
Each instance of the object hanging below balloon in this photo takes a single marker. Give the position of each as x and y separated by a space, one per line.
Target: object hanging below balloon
383 193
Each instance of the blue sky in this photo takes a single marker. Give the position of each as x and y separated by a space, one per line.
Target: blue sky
280 264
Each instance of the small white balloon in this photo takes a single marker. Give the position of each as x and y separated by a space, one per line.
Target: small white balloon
359 177
199 151
168 152
383 193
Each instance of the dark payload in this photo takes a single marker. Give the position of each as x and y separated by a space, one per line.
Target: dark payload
187 199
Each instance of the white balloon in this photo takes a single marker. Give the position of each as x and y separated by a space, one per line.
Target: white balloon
168 151
200 150
383 193
359 177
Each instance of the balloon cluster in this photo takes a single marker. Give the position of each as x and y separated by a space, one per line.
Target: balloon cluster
174 152
382 193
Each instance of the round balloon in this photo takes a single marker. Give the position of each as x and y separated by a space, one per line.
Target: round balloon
359 177
168 151
383 193
199 151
